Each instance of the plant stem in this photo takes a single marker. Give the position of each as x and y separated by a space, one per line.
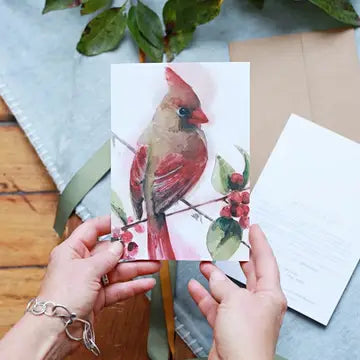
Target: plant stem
246 244
168 53
194 207
142 56
191 207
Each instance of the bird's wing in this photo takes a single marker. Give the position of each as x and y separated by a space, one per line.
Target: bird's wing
174 177
137 174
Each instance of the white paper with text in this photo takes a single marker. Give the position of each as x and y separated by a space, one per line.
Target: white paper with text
307 201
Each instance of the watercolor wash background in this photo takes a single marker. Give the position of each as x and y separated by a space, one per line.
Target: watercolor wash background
224 92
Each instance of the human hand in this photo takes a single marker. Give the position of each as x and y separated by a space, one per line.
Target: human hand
246 322
73 277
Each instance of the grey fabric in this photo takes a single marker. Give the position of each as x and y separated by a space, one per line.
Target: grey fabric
62 101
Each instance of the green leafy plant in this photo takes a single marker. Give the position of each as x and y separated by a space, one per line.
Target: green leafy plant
90 6
147 31
168 36
95 40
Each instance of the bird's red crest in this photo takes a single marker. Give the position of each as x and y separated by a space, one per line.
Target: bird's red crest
173 79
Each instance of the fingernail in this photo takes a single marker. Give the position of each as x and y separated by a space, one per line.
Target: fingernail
217 275
116 248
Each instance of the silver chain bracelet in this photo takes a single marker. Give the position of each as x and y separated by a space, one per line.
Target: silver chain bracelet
49 308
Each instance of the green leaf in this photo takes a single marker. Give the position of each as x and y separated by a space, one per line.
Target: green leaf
149 24
51 5
117 207
220 176
181 17
103 33
223 238
90 6
178 42
341 10
246 171
187 14
149 49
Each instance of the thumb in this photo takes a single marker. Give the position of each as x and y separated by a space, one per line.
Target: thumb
106 259
220 285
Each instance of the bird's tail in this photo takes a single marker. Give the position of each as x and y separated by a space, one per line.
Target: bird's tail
159 245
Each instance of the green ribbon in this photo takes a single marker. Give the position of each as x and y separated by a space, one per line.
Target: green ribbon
81 183
157 344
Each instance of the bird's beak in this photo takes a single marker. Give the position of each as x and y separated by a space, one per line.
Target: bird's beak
198 117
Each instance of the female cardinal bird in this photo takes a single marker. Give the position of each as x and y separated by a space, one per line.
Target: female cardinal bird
169 161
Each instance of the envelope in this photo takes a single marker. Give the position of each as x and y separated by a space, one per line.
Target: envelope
315 75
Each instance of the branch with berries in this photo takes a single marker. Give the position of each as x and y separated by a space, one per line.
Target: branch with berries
234 210
225 233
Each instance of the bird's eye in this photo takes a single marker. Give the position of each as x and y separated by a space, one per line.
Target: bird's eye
183 112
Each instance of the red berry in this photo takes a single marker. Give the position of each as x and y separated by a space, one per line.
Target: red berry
245 198
226 211
238 211
235 197
130 219
246 210
132 248
237 178
139 228
233 208
126 236
244 222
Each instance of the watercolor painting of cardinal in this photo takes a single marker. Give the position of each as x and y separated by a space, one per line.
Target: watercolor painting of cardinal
169 161
180 162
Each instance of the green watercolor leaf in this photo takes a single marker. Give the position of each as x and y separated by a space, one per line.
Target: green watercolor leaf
90 6
117 207
52 5
150 25
246 171
341 10
223 238
147 47
103 33
221 174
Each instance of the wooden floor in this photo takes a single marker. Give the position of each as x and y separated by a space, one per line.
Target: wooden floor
28 199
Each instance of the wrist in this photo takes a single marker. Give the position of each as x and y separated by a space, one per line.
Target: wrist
49 337
41 338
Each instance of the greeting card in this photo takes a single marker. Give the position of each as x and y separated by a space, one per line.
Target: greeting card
180 160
